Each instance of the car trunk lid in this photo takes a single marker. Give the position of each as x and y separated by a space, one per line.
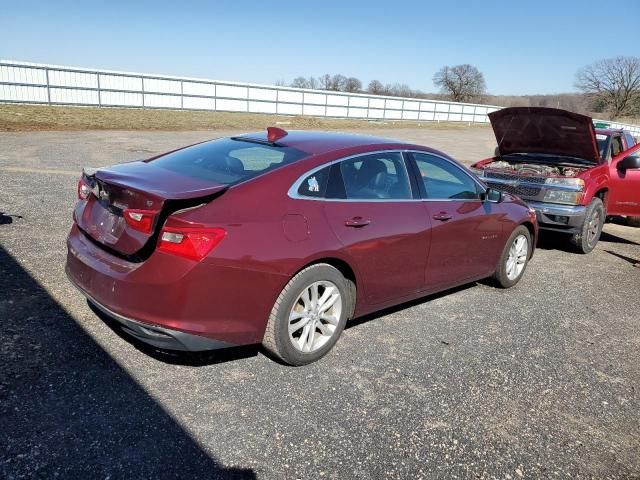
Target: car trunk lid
547 131
139 187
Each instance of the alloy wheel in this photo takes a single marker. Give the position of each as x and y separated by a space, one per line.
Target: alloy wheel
314 316
517 259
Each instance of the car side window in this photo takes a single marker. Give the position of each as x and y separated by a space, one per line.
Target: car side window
630 140
443 180
376 176
315 184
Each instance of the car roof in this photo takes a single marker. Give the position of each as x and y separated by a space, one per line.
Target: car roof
609 131
315 142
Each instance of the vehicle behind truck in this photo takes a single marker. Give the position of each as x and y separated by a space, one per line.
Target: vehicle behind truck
573 175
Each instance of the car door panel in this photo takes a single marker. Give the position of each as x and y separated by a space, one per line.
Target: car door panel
624 186
466 234
388 241
372 211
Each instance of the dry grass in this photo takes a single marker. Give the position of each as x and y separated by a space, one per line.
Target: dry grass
21 118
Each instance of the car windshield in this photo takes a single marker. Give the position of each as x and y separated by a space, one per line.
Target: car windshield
603 143
227 160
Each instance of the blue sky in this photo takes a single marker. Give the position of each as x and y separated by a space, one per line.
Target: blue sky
521 47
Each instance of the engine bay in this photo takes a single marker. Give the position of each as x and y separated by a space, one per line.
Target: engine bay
536 169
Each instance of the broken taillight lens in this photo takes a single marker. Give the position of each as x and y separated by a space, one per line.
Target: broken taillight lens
84 190
141 220
192 243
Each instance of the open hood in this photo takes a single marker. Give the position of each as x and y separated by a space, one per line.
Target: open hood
547 131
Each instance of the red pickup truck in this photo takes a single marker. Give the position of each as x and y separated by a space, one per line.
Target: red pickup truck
571 174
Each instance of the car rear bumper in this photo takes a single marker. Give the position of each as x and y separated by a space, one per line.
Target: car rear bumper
562 218
159 336
172 302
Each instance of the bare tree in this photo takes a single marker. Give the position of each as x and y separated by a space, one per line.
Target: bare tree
352 84
462 82
613 83
280 83
325 81
300 82
338 83
313 83
375 87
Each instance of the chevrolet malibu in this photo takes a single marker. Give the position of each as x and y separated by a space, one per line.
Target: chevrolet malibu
280 238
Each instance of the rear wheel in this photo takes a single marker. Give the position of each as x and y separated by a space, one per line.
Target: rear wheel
587 238
309 315
514 258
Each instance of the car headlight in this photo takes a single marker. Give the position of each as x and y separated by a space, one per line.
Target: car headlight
565 181
562 196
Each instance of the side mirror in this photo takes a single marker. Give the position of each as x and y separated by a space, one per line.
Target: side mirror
629 163
492 195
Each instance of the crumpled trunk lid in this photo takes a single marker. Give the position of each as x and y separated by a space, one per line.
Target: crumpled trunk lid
138 186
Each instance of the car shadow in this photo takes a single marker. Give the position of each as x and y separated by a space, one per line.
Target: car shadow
609 237
6 219
633 261
68 410
413 303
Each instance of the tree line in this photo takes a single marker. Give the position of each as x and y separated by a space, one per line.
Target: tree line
609 87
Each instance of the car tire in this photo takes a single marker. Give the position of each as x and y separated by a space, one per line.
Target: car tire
507 272
587 238
633 221
296 306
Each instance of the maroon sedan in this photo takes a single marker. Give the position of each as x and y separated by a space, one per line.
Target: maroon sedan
280 238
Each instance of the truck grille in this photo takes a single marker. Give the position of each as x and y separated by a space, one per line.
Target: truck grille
521 185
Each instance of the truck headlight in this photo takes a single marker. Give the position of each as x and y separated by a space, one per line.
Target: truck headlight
578 182
479 172
563 196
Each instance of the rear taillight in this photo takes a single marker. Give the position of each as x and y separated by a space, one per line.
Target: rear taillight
84 190
192 243
141 220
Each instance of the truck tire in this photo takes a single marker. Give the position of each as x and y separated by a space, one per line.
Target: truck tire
587 238
633 221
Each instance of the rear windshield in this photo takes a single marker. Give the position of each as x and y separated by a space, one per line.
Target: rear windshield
227 160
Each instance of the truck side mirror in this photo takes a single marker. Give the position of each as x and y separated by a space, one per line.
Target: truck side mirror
629 163
492 195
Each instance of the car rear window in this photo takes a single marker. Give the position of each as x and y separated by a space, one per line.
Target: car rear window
226 160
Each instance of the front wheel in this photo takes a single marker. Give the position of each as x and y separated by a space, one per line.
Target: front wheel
309 315
589 234
514 258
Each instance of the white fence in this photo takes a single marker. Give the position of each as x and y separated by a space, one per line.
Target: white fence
22 82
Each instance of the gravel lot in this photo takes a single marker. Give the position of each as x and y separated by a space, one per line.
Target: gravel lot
539 381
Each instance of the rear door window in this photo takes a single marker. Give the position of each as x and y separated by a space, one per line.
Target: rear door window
375 176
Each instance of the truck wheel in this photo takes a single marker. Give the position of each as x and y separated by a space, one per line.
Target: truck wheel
309 315
587 238
633 221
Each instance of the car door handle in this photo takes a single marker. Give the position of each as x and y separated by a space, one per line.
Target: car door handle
442 216
357 222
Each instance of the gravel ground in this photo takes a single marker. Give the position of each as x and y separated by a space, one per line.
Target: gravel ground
540 381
